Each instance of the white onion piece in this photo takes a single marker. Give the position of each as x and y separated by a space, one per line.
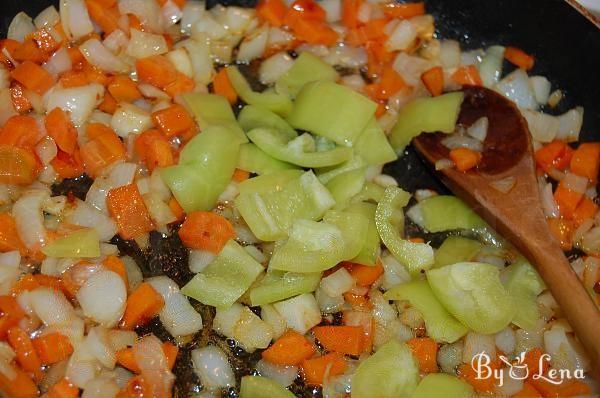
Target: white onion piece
213 368
269 314
159 211
200 56
517 88
98 344
81 371
200 259
337 283
226 319
149 91
449 54
46 150
177 316
328 304
122 174
75 19
171 13
252 332
346 56
192 13
134 274
4 77
7 108
333 10
591 241
253 46
479 129
101 387
51 306
541 89
122 376
402 37
98 55
278 38
490 68
301 312
284 375
129 118
87 216
504 185
382 311
476 343
48 17
450 356
120 339
555 97
510 385
29 218
570 125
147 11
20 26
6 352
59 62
53 375
543 127
142 44
79 101
355 82
562 350
411 68
181 60
454 141
394 273
575 182
237 19
207 25
150 356
506 340
116 40
102 298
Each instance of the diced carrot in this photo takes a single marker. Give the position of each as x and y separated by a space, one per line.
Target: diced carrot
567 200
585 210
142 305
350 10
104 149
381 109
586 160
108 104
45 41
467 76
563 231
480 384
404 10
424 350
342 339
240 175
135 23
126 206
33 77
528 391
26 283
27 356
114 264
63 389
181 84
11 314
433 79
174 120
61 129
66 165
206 230
532 361
464 158
156 70
362 317
136 387
126 358
290 349
556 154
176 209
18 166
271 11
153 147
21 386
568 388
314 32
307 9
73 79
365 275
416 240
28 51
52 348
123 89
389 84
20 131
106 17
518 57
77 58
9 237
315 369
19 98
95 75
10 46
50 281
223 87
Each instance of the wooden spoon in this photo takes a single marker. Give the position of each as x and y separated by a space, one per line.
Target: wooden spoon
517 215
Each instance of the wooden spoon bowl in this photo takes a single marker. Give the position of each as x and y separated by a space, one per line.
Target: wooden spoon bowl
517 214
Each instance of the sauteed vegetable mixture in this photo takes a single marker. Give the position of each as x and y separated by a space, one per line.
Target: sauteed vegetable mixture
193 204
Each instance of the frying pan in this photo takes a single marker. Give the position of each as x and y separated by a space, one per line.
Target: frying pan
566 46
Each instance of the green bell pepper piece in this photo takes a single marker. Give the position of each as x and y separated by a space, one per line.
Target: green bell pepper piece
391 372
306 68
83 243
473 293
326 174
444 213
426 115
252 117
371 192
275 102
270 203
260 387
345 186
441 326
255 160
373 146
205 168
299 151
226 279
371 248
213 110
389 219
333 111
318 246
277 286
524 284
441 385
456 249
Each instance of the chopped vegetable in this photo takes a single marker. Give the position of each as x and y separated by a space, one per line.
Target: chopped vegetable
346 186
82 243
465 159
443 213
443 385
142 304
174 120
371 248
372 145
223 87
255 160
290 349
586 160
26 354
433 79
52 348
317 370
18 166
276 286
347 340
252 117
456 249
307 68
467 76
424 350
518 57
127 207
524 284
206 231
59 127
258 386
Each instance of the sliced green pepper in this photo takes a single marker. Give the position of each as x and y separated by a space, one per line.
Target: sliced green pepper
270 203
373 146
524 284
441 326
389 219
275 102
326 174
307 68
371 192
226 279
441 385
333 111
260 387
371 248
426 115
83 243
213 110
277 286
299 151
318 246
252 117
443 213
346 186
255 160
456 249
473 293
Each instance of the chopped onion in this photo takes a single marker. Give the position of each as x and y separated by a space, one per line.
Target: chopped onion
171 13
555 97
237 19
564 354
473 57
328 304
51 306
213 368
450 356
449 54
543 127
181 60
134 274
278 38
29 217
177 316
7 109
570 125
150 357
192 13
226 319
79 101
142 44
337 283
506 340
272 68
346 56
504 185
253 46
81 371
284 375
333 10
98 55
159 211
454 141
517 88
490 68
200 57
582 230
301 312
509 385
148 12
102 298
476 343
129 118
402 37
120 339
122 376
87 216
75 19
98 344
116 41
100 387
59 62
479 129
541 89
46 150
591 241
382 311
48 17
270 315
149 91
53 375
200 259
20 27
575 182
207 25
411 68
